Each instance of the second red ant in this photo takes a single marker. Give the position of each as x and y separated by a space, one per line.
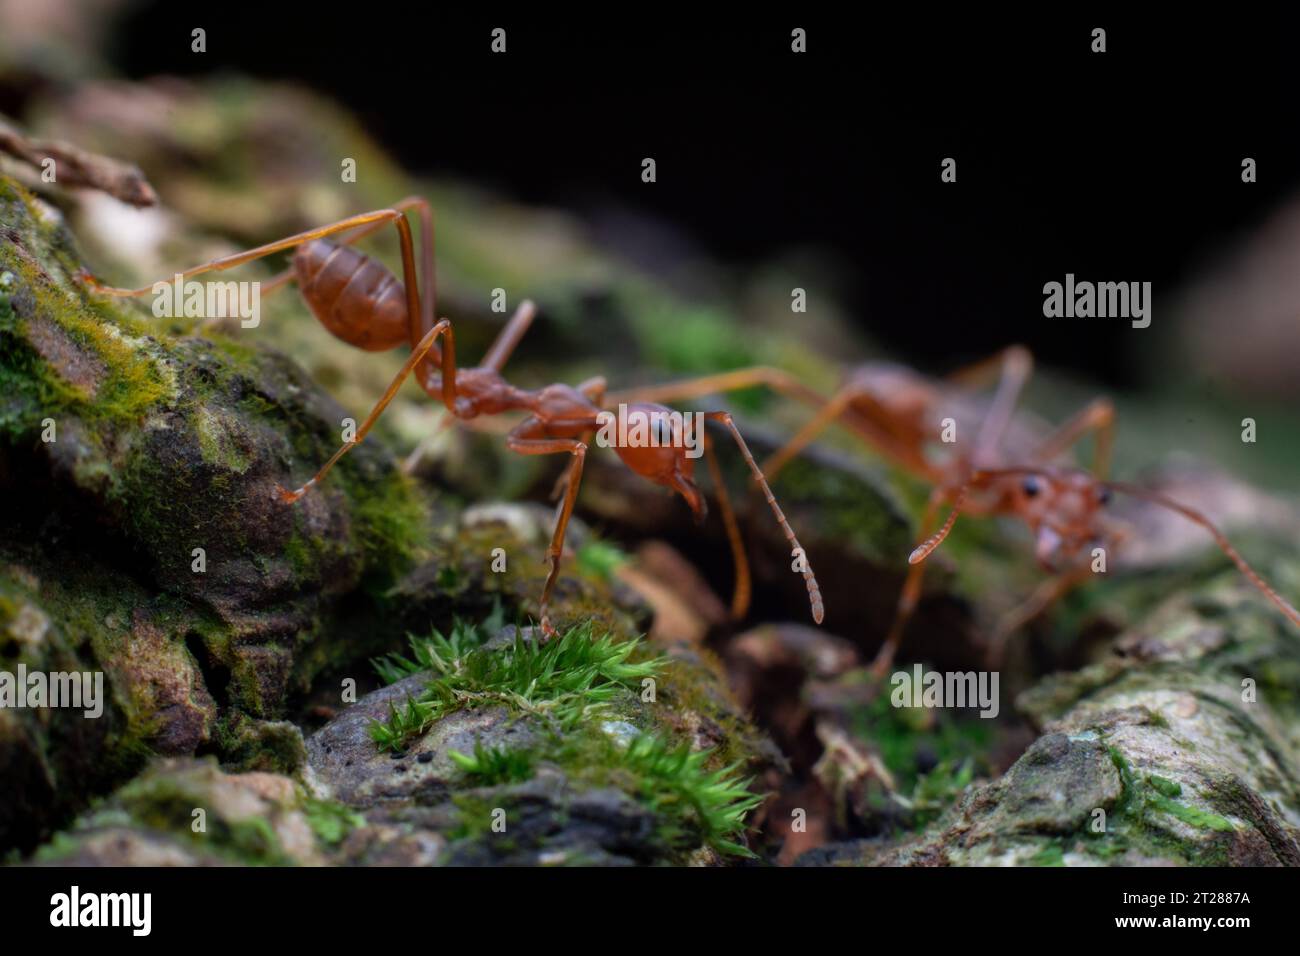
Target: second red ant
901 414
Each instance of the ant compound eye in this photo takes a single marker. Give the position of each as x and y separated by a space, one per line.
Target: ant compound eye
1104 496
1031 486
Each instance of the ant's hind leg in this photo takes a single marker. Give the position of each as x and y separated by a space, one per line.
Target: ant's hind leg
427 289
376 218
416 356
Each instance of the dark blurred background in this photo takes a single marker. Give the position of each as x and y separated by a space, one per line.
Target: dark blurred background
1123 166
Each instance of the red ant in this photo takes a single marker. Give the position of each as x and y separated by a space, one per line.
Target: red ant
901 414
363 303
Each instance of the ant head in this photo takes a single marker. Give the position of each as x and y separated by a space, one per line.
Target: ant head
660 445
1064 509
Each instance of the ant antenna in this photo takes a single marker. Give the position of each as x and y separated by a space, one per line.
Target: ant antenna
814 591
979 476
1219 538
924 549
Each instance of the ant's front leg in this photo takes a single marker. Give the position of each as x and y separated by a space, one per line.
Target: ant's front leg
594 389
529 438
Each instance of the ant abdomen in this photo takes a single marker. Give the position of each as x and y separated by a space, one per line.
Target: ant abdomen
357 298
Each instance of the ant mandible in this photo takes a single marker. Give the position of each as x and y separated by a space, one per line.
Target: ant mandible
901 413
362 302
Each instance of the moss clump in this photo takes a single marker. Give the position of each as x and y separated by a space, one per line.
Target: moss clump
1137 830
391 522
567 678
1202 819
490 766
1164 786
600 559
169 803
330 821
694 803
584 699
121 375
1051 854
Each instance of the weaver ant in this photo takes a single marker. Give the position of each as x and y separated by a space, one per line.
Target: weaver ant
362 302
901 414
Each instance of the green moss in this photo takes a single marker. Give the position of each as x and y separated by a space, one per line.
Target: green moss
599 559
566 679
1164 786
1051 854
391 523
693 803
489 766
168 803
1192 816
331 821
1135 828
218 445
130 379
570 688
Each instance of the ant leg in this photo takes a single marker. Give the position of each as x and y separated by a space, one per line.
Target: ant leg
1016 366
594 389
743 589
1097 416
486 426
872 426
428 278
424 346
988 371
504 345
803 565
910 595
1196 517
684 389
520 442
496 358
1044 596
377 217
